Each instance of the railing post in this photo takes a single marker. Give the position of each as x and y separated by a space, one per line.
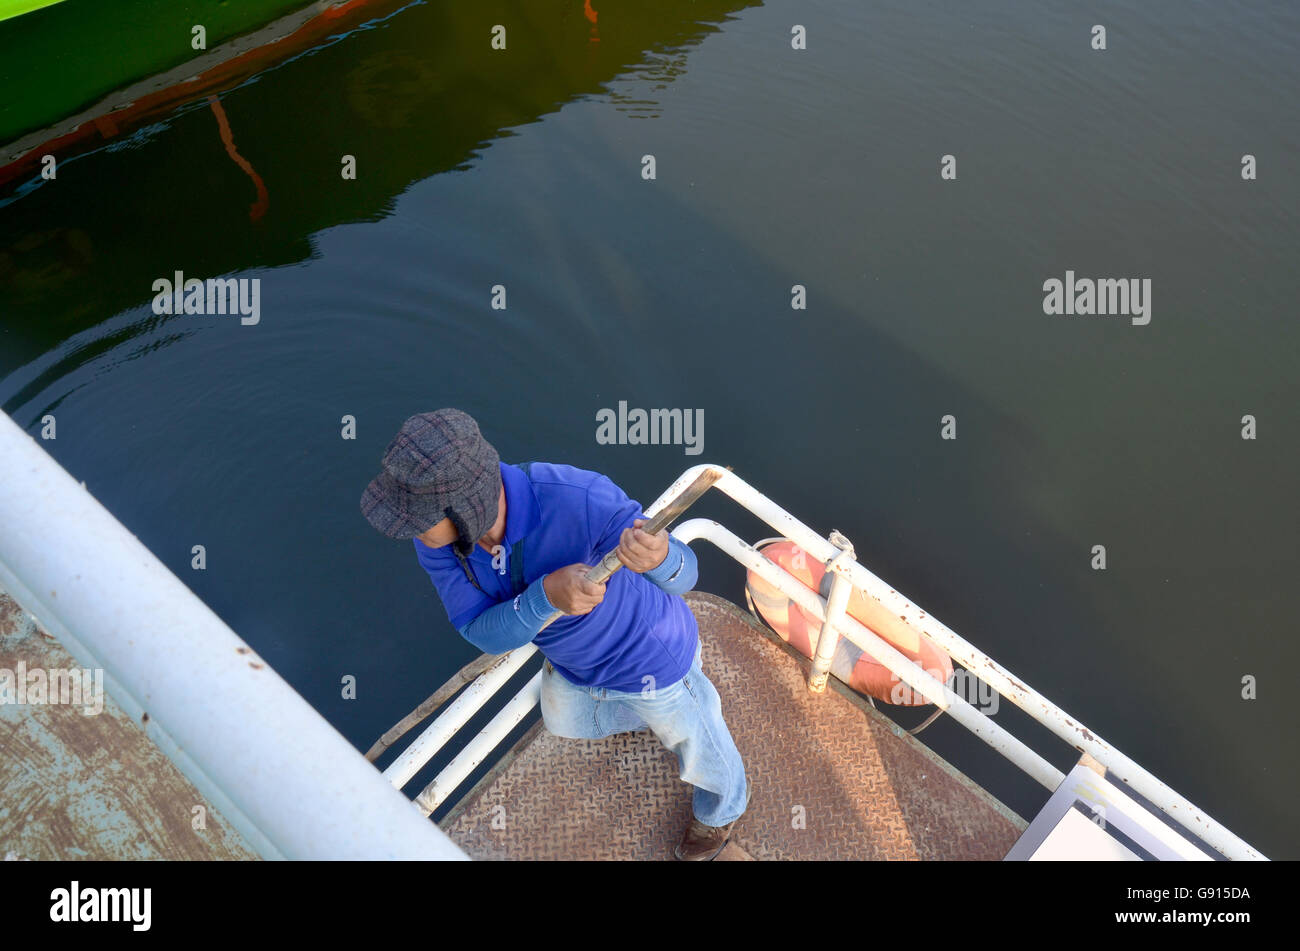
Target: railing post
836 602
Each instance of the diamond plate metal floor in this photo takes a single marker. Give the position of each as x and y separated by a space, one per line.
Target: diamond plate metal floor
832 778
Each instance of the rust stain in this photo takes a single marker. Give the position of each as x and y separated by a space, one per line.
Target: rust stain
92 787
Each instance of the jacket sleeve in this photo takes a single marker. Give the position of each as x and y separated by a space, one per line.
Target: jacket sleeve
510 624
679 570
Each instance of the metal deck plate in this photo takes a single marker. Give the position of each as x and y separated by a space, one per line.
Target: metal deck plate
92 787
832 778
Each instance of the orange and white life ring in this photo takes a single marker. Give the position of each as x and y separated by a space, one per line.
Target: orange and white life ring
801 629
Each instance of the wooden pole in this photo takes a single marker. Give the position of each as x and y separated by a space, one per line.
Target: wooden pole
603 569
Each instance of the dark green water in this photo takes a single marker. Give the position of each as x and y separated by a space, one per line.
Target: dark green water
774 167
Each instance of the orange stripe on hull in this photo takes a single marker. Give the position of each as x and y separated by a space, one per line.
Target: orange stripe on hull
218 78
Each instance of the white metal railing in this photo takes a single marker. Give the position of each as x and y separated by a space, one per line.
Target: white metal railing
836 553
458 713
291 784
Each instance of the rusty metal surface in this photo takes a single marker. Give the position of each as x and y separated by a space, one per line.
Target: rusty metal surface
78 786
832 778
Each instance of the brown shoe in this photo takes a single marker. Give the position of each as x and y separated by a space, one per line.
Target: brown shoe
702 843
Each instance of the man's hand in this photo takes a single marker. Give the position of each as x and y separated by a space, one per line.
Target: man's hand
570 591
640 551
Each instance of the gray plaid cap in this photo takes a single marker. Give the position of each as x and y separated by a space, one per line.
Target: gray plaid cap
438 466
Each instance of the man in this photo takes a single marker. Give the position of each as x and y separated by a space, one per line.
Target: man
507 546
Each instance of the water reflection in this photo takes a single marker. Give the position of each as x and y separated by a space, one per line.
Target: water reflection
409 94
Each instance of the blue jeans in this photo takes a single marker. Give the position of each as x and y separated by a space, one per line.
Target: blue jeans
686 717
